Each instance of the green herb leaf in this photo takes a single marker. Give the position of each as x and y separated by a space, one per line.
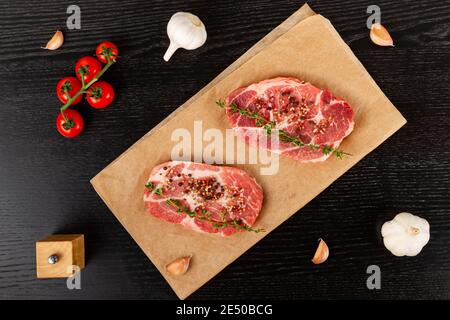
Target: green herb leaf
340 153
149 186
326 149
268 129
234 108
220 103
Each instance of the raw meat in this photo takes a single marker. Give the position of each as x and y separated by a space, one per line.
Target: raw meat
312 115
204 197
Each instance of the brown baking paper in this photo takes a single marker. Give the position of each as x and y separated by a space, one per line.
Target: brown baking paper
305 46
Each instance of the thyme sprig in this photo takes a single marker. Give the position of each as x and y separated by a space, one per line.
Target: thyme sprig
149 186
269 127
206 216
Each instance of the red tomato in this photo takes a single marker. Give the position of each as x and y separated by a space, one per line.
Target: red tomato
100 95
89 66
107 49
72 85
73 127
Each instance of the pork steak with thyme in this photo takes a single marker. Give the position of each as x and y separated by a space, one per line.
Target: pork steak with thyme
202 197
312 121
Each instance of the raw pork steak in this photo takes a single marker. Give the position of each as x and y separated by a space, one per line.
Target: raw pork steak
204 197
312 115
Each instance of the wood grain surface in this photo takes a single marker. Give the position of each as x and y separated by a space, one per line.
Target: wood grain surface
44 178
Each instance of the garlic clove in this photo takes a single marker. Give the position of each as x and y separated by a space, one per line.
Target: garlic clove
179 266
55 42
322 253
380 36
186 31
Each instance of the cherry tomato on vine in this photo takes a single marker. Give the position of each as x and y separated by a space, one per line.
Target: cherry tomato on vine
107 49
68 85
88 68
100 95
73 127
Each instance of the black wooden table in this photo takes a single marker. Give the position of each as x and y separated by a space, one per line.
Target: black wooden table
44 178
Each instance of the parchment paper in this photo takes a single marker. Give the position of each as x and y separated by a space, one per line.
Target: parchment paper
305 46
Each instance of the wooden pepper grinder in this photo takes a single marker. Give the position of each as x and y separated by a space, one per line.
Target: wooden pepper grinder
57 254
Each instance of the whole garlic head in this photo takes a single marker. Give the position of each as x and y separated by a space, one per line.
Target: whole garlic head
186 31
406 234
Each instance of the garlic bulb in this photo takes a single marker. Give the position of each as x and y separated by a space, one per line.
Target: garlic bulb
406 234
186 31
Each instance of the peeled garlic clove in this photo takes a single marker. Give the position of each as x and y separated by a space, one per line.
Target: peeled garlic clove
186 31
55 42
322 253
179 266
380 36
